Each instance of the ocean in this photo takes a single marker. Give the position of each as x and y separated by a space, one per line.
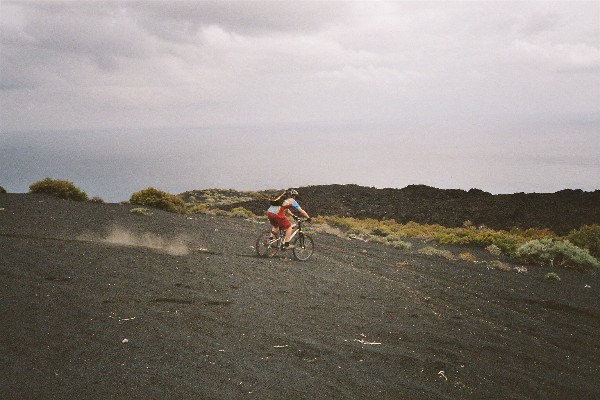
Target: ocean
114 163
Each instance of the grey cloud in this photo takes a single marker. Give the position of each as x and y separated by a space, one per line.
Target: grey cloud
247 17
57 39
64 33
212 61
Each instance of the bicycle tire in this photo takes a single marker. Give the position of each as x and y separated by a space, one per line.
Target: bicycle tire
304 247
265 247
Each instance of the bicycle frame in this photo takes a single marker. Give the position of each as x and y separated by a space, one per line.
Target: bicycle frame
296 229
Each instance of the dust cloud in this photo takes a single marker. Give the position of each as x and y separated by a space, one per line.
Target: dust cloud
124 237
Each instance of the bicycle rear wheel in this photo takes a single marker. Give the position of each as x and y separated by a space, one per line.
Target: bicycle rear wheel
265 246
304 247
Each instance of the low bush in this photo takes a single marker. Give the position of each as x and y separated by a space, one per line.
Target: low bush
97 199
587 237
467 257
241 212
401 245
554 252
493 249
539 246
2 190
152 197
378 239
503 241
432 251
200 209
140 211
59 188
499 265
552 276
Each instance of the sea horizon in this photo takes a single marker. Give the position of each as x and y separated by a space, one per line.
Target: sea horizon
114 163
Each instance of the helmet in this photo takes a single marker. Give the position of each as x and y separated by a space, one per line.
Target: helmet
293 193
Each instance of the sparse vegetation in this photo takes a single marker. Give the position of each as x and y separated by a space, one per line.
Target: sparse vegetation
466 256
432 251
237 212
493 249
401 245
241 212
537 246
502 241
200 209
140 211
557 253
377 239
152 197
552 276
59 188
499 265
214 198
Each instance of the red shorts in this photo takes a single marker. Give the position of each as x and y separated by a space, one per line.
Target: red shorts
279 221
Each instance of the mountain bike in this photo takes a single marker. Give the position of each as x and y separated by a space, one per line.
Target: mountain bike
304 246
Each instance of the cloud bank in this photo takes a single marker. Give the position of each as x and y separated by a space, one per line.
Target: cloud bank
137 64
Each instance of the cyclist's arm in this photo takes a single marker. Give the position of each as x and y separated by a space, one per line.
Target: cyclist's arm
301 211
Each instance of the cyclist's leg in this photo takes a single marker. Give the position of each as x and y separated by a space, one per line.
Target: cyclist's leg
288 234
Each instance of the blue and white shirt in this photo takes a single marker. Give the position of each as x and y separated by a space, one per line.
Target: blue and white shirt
287 204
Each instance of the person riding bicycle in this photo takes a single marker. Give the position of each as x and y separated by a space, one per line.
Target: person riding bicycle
278 212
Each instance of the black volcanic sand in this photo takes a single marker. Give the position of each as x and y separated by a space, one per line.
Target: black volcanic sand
86 318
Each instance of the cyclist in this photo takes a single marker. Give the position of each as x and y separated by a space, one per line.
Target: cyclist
278 212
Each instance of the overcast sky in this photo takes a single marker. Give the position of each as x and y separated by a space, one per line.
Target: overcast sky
140 64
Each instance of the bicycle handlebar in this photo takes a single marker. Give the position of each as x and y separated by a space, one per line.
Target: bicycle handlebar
299 219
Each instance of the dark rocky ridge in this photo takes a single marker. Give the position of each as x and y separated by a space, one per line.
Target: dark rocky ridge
561 211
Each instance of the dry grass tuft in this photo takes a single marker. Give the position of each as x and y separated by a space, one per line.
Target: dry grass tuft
467 257
432 251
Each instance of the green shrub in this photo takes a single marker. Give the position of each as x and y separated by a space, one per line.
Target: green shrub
140 211
401 245
432 251
377 239
97 199
503 241
2 190
552 276
467 257
59 188
241 212
493 249
152 197
554 252
200 209
587 237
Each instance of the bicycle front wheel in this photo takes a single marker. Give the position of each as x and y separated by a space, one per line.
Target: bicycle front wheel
304 247
265 246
